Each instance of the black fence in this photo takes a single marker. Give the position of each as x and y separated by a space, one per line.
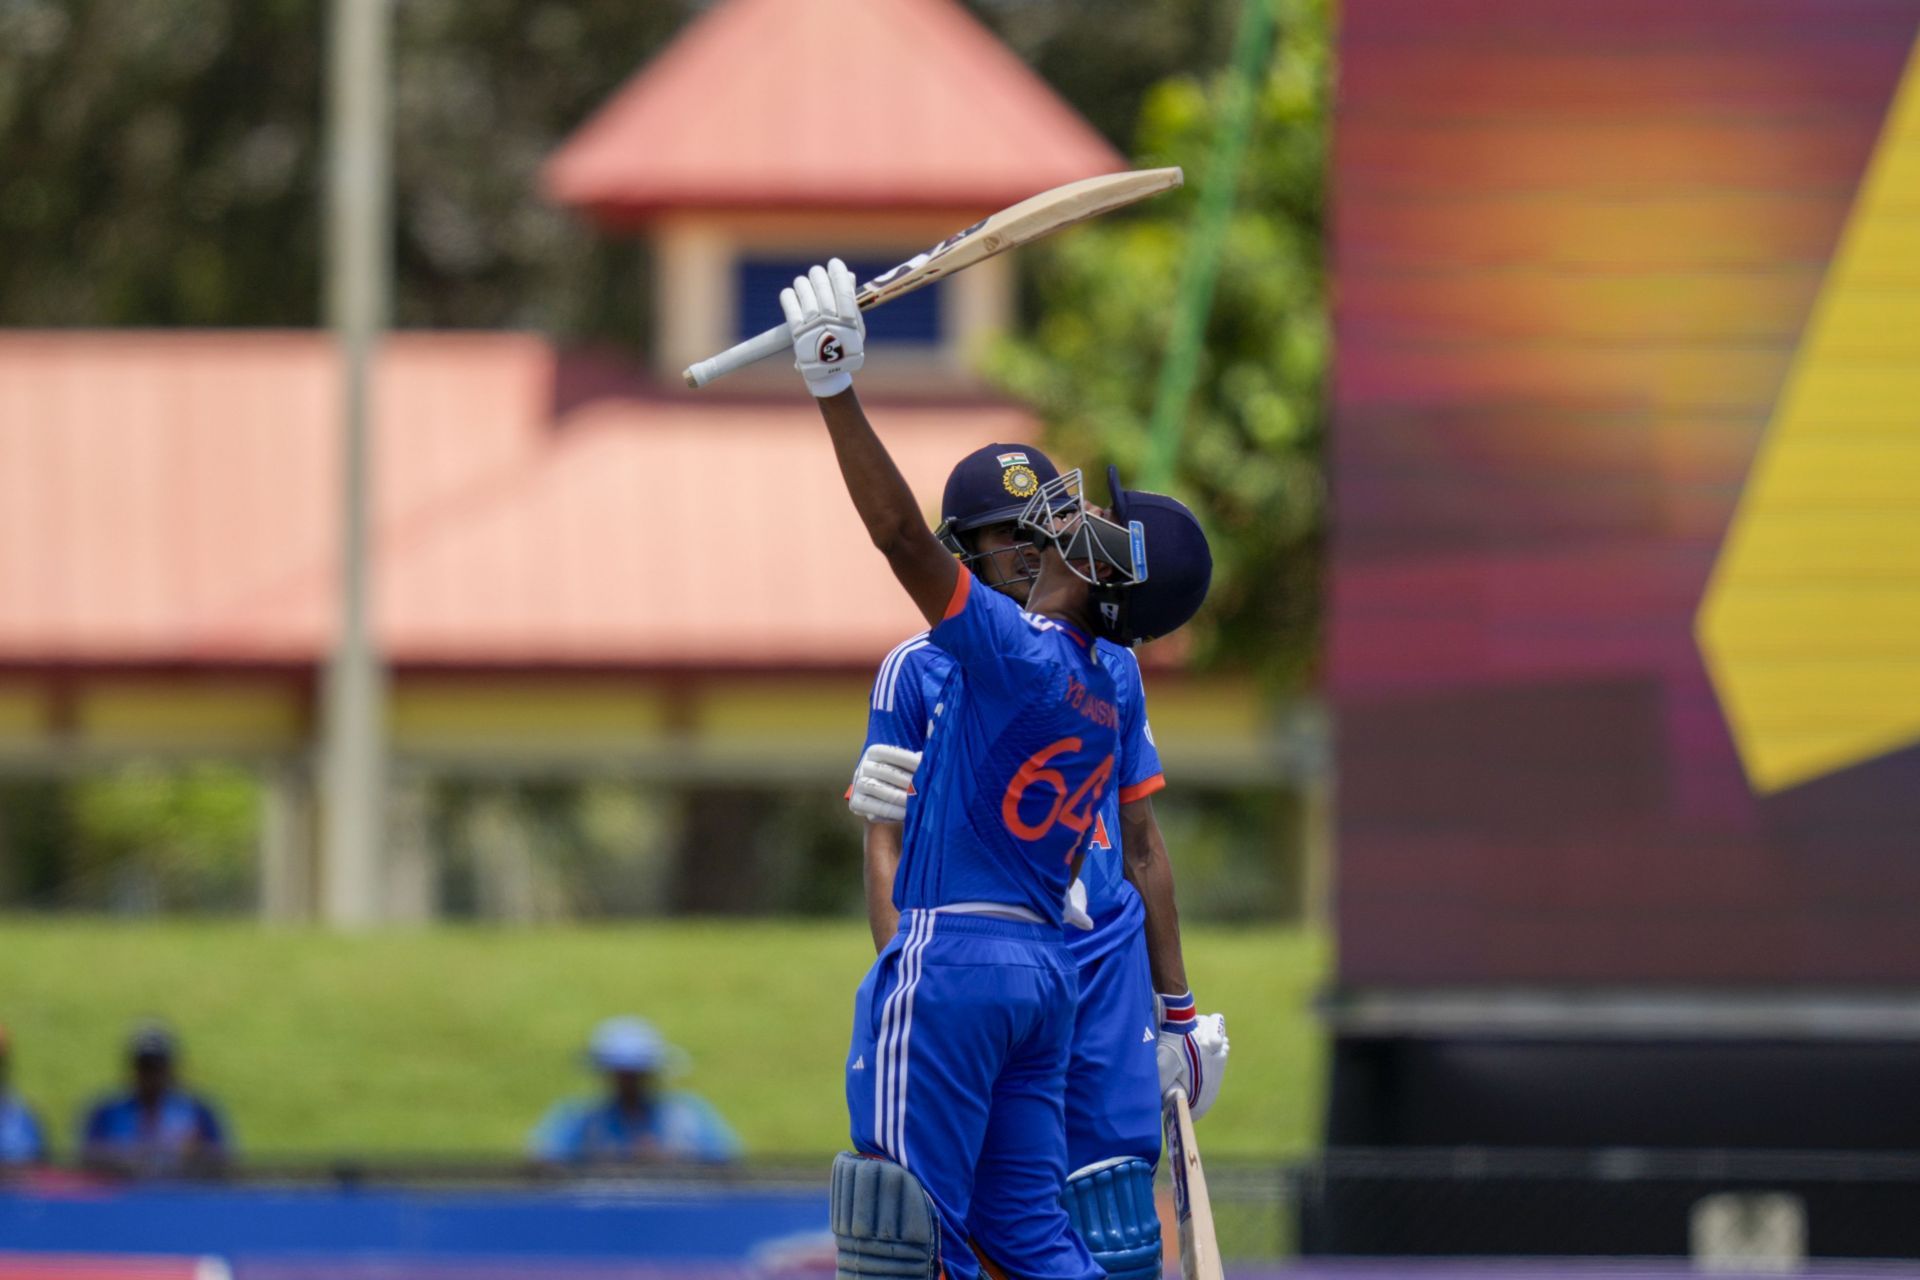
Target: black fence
1722 1206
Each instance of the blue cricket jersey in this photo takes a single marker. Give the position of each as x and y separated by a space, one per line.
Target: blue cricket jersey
182 1125
1022 719
679 1126
906 704
21 1138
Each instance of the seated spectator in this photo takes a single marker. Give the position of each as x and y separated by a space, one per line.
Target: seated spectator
22 1140
156 1128
636 1120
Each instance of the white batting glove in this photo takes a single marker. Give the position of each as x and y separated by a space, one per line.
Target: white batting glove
882 781
1074 909
1192 1051
829 335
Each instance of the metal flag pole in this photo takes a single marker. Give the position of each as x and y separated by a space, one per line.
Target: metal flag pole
359 254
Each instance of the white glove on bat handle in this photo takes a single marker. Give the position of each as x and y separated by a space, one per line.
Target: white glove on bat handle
1192 1051
882 781
829 334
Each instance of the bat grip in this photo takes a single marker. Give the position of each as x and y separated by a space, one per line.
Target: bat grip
752 351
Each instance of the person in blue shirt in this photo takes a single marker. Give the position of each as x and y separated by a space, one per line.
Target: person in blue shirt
958 1063
22 1140
1125 934
156 1128
636 1120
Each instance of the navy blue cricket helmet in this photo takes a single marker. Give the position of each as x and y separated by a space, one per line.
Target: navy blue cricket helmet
1174 579
992 485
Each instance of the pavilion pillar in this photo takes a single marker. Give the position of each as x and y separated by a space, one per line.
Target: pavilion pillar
289 824
413 867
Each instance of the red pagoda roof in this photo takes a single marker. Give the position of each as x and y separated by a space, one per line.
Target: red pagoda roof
907 104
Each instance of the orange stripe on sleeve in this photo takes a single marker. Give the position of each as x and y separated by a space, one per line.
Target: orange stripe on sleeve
1143 788
962 586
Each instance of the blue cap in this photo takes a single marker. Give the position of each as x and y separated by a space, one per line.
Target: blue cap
628 1044
992 485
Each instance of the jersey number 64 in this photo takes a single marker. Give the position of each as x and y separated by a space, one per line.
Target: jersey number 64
1075 810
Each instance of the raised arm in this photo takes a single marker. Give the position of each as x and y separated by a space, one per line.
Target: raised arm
829 344
886 505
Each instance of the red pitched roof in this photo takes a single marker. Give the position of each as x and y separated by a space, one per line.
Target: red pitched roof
169 498
909 103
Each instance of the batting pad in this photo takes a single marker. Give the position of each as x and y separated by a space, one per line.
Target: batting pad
1112 1207
883 1221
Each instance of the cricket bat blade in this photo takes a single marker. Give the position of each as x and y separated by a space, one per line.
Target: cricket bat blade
1192 1206
1023 223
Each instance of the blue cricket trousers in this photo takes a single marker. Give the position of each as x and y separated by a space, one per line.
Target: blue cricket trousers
957 1071
1113 1108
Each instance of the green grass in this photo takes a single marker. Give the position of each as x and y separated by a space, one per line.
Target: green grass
454 1040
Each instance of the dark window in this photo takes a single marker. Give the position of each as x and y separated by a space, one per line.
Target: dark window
914 318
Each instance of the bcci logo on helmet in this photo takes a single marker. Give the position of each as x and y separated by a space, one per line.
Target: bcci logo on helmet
1017 477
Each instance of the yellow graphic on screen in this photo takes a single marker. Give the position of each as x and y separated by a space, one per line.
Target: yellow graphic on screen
1811 623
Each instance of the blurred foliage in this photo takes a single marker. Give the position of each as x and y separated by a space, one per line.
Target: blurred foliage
164 158
137 840
1240 854
161 161
484 90
551 850
1105 57
1101 302
562 850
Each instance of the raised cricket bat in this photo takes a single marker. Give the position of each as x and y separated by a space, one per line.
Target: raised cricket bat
1192 1207
1019 224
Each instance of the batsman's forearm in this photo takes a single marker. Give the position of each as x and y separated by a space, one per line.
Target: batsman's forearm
879 492
879 865
1148 870
887 507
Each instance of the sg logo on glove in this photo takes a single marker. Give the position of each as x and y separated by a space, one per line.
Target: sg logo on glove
823 317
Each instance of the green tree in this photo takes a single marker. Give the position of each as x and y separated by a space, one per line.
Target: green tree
1101 300
135 839
164 161
160 162
1104 57
148 838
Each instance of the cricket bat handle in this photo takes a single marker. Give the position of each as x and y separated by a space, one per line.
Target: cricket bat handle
752 351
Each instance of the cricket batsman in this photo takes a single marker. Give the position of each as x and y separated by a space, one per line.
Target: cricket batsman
957 1071
1126 1051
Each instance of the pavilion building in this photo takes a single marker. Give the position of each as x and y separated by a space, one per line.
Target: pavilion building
580 567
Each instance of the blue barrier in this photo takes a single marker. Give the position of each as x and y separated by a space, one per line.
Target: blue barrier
584 1222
